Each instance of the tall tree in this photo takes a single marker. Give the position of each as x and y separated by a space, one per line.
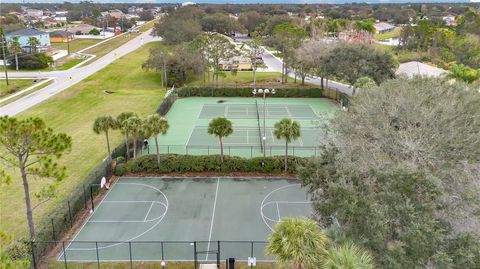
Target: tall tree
400 171
218 48
251 20
253 52
158 61
123 126
33 42
136 127
220 127
349 62
286 38
298 242
16 48
289 130
157 126
104 124
34 149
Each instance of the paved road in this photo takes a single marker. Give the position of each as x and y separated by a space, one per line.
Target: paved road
67 78
275 64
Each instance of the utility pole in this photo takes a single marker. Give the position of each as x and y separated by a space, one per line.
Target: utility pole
4 44
68 37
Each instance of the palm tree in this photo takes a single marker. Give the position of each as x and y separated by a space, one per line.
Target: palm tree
103 124
348 256
122 123
298 242
157 125
16 48
34 43
136 127
220 127
288 130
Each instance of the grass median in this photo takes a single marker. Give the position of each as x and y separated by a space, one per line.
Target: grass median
15 85
73 111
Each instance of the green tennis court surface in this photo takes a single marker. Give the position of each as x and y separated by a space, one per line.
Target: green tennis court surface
249 111
189 117
153 219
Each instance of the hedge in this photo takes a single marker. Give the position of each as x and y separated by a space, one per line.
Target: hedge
247 92
174 163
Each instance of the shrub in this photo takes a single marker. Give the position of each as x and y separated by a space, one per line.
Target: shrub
173 163
120 169
120 160
32 61
247 92
94 31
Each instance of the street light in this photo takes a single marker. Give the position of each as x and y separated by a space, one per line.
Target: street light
264 93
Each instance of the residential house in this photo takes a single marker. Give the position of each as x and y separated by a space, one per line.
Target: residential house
82 29
61 16
238 63
114 13
355 36
25 34
450 19
34 13
135 10
383 27
61 36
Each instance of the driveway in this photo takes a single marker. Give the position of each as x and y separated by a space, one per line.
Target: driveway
65 79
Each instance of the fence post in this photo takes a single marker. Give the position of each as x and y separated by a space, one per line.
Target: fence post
168 149
70 213
293 151
64 254
195 254
98 257
53 231
218 255
32 245
251 253
161 245
208 150
251 151
85 196
130 250
91 197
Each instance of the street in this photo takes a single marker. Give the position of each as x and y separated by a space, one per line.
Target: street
65 79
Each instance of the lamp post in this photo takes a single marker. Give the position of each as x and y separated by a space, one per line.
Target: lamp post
264 93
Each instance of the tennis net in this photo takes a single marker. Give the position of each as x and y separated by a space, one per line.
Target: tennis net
259 128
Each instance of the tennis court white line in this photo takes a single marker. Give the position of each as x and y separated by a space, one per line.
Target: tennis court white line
213 217
148 212
278 212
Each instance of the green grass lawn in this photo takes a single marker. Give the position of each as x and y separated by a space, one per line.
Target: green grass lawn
77 44
73 112
14 86
26 93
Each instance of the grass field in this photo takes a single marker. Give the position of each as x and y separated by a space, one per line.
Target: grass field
134 90
14 86
77 44
26 93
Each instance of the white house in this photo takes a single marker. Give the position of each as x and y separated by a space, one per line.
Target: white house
383 27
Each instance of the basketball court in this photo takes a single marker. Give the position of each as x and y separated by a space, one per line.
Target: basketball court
185 219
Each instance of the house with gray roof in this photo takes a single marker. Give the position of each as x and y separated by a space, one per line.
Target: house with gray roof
25 34
383 27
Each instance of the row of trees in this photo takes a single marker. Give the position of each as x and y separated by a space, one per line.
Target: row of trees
399 174
132 127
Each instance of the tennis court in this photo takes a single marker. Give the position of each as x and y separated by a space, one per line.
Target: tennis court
189 118
182 219
249 111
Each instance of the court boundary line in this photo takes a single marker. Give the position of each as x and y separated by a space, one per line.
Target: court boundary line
123 241
263 204
213 218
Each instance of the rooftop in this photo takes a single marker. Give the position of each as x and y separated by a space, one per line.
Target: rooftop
27 32
415 68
